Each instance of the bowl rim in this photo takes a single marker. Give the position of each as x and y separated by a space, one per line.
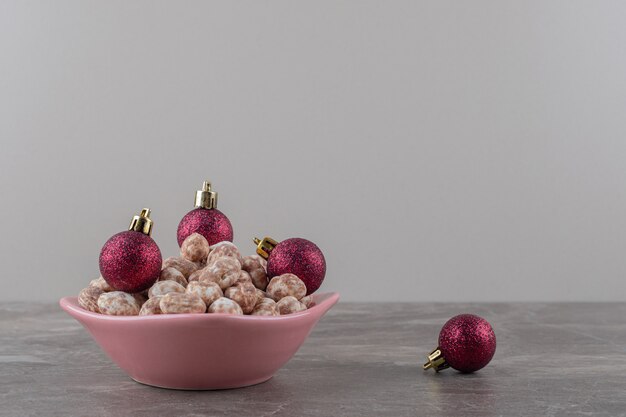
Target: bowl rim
323 302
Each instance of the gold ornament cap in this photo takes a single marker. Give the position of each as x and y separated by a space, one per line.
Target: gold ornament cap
205 198
265 246
142 223
436 361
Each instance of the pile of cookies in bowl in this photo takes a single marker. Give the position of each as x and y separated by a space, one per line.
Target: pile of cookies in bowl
204 279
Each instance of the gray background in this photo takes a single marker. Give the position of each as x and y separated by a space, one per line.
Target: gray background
440 151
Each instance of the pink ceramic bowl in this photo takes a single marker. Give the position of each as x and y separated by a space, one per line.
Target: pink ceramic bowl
200 351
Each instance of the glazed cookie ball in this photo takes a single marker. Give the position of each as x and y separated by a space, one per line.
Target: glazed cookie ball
165 287
88 298
244 278
183 265
260 296
286 285
243 294
222 266
223 271
208 291
228 280
265 307
225 306
118 303
140 297
181 303
289 304
101 283
173 274
307 301
195 276
195 248
253 266
151 306
224 249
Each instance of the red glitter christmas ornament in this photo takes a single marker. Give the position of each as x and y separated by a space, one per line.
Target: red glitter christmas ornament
297 256
130 261
205 219
466 343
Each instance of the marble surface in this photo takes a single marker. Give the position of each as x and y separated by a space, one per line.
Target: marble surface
361 360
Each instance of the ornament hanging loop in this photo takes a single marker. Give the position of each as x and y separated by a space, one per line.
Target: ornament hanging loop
265 246
436 361
205 198
142 222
